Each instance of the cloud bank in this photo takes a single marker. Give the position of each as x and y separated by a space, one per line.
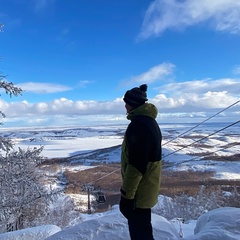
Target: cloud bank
192 100
161 15
175 101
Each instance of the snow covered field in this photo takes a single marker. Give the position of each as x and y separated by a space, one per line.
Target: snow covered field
183 153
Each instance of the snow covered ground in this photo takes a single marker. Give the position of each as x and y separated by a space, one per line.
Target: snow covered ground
65 141
69 142
220 224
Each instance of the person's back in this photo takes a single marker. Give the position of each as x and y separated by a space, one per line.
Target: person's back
140 164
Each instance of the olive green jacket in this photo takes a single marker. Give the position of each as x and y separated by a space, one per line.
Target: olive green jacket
141 157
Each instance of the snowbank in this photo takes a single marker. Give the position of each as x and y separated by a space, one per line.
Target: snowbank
218 224
35 233
113 227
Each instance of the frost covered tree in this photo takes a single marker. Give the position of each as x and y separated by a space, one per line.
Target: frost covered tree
23 197
191 207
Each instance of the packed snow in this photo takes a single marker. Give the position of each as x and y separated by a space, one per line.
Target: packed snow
218 224
35 233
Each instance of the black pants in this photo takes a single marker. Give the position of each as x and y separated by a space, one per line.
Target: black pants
139 223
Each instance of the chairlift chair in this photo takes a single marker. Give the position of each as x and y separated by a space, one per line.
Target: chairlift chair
100 198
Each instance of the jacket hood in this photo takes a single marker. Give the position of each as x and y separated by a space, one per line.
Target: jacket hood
147 109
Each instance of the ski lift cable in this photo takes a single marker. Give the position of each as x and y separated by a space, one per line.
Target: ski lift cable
203 138
101 198
182 147
172 152
104 176
201 123
199 158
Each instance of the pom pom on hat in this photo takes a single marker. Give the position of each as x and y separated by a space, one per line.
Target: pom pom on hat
136 96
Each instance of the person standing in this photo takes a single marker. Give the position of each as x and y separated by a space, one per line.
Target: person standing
141 163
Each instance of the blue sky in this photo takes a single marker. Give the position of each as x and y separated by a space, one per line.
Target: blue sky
75 59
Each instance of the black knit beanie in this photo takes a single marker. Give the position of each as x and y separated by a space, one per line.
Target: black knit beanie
136 96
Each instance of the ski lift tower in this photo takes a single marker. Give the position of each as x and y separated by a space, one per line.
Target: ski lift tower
88 188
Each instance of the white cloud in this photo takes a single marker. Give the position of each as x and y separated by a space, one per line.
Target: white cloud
38 87
224 15
199 87
180 100
154 74
61 106
198 96
191 101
